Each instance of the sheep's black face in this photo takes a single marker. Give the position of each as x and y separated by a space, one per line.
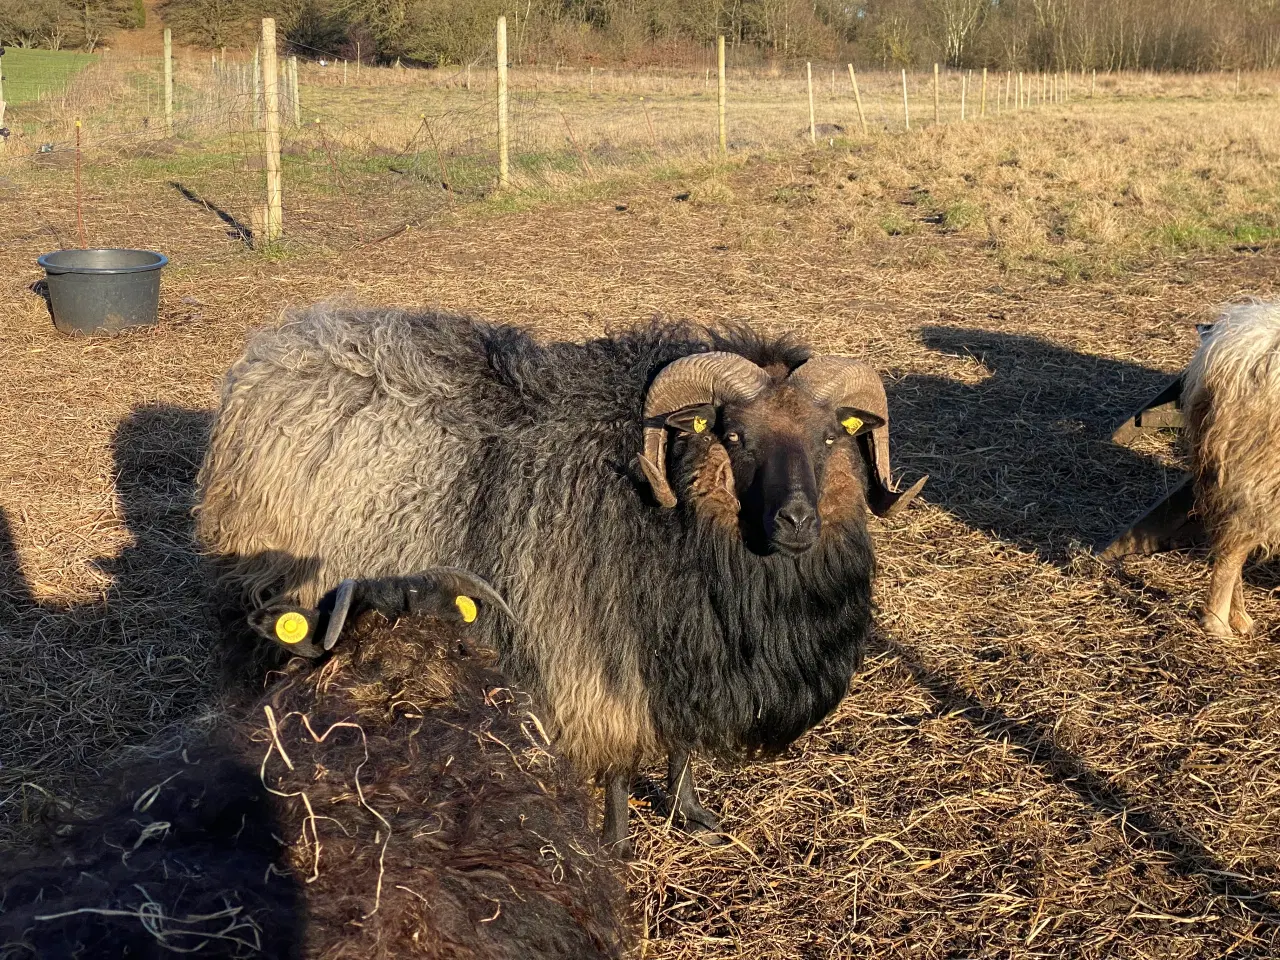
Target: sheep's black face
779 447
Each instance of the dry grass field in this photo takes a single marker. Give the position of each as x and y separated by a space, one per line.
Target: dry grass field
1043 757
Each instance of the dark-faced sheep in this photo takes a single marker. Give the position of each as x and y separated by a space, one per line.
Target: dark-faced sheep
677 517
1231 394
397 800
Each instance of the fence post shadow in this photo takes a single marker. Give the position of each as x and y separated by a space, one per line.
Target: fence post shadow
238 231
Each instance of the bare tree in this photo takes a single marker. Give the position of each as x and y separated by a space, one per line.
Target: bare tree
956 22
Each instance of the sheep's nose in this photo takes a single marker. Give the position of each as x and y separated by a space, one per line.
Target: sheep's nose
797 517
795 526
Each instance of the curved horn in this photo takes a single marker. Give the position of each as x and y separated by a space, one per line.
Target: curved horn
845 382
715 378
414 593
464 581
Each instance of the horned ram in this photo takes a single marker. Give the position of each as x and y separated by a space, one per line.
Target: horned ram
678 517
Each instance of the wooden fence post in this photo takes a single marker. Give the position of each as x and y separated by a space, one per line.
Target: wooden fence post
984 92
168 82
344 73
504 168
257 86
293 91
1093 83
937 109
808 76
857 98
720 96
273 222
964 88
906 111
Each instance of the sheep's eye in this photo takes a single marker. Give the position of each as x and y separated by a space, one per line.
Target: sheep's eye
830 441
733 436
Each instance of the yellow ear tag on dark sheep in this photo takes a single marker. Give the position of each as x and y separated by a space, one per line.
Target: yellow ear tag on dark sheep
699 424
851 425
291 627
467 607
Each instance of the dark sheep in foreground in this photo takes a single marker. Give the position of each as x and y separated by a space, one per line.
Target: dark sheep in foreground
397 800
678 517
1231 395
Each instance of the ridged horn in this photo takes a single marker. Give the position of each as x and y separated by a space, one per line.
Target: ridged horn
714 378
462 581
846 382
414 593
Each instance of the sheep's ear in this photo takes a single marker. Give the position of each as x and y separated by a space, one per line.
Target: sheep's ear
857 422
294 629
303 632
696 419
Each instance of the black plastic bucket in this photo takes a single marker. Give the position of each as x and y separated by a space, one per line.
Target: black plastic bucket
103 291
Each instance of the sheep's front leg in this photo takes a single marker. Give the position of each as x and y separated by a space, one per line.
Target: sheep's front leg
1224 587
684 799
615 835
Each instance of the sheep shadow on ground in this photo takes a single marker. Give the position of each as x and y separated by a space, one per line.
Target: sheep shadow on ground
1026 454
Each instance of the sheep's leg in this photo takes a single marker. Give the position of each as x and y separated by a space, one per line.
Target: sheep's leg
684 799
1239 618
615 835
1223 587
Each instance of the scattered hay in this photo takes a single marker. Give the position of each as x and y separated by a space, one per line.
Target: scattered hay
1044 757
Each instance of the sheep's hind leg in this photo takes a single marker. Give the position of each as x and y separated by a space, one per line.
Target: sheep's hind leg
615 834
1224 586
684 800
1239 618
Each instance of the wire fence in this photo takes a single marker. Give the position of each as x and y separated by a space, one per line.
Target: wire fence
368 151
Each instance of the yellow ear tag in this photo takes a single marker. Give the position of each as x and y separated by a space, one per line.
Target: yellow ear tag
699 424
851 425
467 607
291 627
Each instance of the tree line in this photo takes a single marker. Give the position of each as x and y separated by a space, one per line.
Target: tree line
1002 34
66 24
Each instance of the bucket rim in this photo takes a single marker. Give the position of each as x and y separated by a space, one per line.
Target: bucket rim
56 268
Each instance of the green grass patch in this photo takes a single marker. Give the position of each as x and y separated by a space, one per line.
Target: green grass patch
961 214
896 225
28 74
1196 233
